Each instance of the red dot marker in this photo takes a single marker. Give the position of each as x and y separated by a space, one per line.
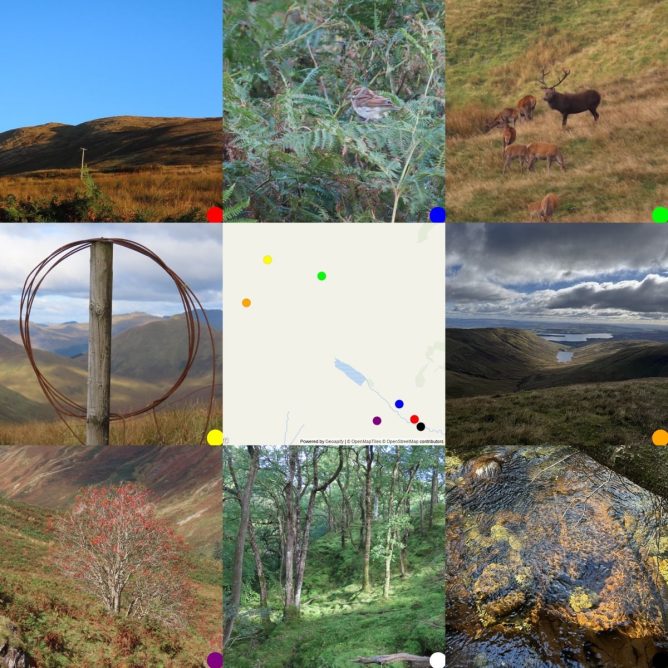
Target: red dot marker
215 215
414 418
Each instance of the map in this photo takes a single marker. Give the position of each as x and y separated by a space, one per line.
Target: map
334 334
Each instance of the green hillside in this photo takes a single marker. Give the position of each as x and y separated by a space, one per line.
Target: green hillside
339 622
59 625
483 361
595 414
614 170
158 350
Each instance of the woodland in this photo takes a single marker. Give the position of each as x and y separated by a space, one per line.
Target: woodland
333 556
294 149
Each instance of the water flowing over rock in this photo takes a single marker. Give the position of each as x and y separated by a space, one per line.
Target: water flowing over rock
553 561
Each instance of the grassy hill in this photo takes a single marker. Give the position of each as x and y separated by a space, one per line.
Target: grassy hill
186 482
614 170
492 361
59 625
114 143
147 169
136 355
483 361
339 622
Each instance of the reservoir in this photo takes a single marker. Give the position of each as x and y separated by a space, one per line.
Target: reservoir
578 338
564 356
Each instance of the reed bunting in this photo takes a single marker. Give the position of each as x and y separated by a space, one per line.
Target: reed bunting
370 106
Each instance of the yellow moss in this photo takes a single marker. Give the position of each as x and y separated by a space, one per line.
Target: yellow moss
494 578
523 576
500 533
663 569
582 599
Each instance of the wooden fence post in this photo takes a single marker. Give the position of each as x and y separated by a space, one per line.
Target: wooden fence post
99 343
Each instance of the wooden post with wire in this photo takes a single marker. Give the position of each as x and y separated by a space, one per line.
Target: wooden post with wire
83 153
99 343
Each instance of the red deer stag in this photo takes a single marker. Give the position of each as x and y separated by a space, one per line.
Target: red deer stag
526 106
506 117
570 103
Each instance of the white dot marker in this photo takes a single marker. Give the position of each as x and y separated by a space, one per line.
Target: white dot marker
437 660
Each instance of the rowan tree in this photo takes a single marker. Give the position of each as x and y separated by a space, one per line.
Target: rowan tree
114 546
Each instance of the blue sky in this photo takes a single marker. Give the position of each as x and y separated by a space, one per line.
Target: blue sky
192 250
70 61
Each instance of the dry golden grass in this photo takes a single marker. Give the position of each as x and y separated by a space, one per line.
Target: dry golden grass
615 170
147 195
180 426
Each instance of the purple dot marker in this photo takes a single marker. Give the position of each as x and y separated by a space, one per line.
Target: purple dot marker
215 660
376 420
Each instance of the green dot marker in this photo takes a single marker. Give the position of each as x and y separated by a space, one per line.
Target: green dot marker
660 214
322 275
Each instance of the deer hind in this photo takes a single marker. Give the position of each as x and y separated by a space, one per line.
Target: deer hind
543 151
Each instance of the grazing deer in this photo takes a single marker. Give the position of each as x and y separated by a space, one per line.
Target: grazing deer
505 117
534 209
570 103
526 106
543 151
543 209
517 152
509 136
548 206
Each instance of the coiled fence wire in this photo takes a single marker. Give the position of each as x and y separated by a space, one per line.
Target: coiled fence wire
62 404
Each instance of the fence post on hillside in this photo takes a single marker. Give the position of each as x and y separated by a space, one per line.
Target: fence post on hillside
99 343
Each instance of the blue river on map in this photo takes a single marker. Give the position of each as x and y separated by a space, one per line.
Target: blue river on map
353 374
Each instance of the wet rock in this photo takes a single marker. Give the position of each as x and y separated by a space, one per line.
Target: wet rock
495 611
12 654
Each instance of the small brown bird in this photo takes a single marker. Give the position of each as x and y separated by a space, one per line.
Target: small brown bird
370 106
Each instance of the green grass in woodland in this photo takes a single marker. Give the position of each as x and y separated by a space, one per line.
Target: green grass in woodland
339 622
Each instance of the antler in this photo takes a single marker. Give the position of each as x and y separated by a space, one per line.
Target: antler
542 81
566 73
544 84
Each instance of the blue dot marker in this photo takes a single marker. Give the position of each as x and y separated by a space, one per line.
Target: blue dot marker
399 403
437 215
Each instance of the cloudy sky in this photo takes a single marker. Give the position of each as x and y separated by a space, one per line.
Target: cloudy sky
615 273
192 250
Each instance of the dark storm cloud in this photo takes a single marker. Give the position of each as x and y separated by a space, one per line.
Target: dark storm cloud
513 254
568 271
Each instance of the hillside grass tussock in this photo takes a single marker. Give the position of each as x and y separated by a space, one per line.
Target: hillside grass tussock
160 194
294 149
615 169
590 415
176 426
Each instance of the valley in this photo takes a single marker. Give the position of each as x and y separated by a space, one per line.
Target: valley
506 386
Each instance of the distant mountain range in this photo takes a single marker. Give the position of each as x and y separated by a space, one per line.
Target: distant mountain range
71 338
116 143
147 356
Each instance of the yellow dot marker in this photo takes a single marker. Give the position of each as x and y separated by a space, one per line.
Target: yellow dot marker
267 259
246 302
660 437
215 437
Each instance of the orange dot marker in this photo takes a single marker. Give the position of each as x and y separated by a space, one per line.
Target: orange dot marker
246 302
660 437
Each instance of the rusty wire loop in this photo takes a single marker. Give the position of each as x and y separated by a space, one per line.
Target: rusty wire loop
62 404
